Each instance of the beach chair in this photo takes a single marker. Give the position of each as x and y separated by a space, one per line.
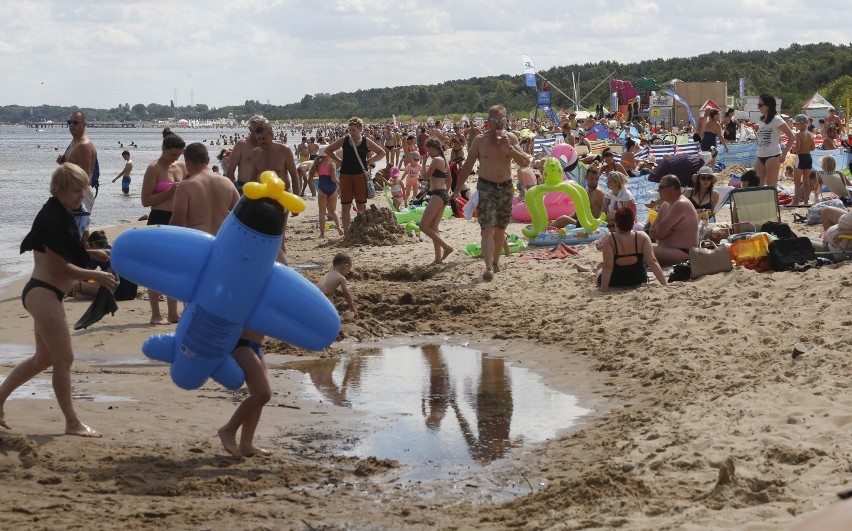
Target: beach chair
752 207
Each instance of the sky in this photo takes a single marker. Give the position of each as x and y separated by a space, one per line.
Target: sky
102 54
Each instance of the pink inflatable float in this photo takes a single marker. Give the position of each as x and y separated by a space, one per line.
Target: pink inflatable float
555 203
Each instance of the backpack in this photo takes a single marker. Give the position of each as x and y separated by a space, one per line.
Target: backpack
781 230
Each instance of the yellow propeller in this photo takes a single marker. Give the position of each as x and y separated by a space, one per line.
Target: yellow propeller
274 188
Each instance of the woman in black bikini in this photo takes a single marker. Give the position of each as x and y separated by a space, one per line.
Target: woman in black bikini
60 259
702 195
438 174
630 267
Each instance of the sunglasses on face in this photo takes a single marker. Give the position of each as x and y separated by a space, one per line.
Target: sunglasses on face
664 186
497 120
706 178
74 122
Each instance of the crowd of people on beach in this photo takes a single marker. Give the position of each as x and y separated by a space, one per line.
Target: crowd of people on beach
431 163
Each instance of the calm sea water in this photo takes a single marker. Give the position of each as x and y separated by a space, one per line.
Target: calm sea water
29 157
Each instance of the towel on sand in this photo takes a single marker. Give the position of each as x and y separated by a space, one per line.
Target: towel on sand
103 304
560 251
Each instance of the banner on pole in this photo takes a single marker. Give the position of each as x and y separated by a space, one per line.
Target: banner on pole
529 71
542 98
742 87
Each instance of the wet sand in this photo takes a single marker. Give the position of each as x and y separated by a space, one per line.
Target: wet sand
703 419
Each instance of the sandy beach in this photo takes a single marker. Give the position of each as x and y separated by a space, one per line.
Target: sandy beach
702 419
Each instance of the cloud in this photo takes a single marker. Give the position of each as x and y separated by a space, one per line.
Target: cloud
227 51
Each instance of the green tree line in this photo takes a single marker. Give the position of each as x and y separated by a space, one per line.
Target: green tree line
792 74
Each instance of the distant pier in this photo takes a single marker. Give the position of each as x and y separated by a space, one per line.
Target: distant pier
105 125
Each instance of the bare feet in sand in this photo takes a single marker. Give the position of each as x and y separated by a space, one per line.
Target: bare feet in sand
81 430
488 276
253 450
159 321
3 421
447 252
229 442
173 319
582 269
495 267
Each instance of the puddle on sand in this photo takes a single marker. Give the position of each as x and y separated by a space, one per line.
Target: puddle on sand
42 389
450 408
39 389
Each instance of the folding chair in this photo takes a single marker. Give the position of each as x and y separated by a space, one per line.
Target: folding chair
752 207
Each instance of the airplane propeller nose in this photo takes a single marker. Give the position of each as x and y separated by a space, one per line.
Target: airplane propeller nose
272 187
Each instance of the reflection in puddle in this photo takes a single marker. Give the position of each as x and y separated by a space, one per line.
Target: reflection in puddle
43 390
449 406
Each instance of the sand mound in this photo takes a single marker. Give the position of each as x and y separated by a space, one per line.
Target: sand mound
374 226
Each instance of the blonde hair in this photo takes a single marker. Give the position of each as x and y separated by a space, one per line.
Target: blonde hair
618 177
66 176
357 122
257 119
828 163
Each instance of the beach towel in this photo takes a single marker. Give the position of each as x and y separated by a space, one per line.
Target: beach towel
103 303
560 252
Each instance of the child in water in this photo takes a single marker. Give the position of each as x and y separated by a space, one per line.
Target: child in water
328 284
124 174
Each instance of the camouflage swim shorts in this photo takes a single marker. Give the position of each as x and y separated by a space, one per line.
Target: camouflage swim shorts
495 203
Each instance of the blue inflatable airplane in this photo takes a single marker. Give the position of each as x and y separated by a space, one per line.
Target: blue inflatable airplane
229 282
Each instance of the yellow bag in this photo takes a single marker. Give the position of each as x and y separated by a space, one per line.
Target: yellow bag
746 251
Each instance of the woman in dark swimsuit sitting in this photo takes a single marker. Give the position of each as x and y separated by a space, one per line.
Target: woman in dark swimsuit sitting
702 195
60 259
438 175
627 254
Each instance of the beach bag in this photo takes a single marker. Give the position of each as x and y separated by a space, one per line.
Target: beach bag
680 272
785 254
815 212
749 251
709 261
782 231
368 175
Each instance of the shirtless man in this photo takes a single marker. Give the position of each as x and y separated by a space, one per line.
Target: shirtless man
832 119
495 150
304 150
596 198
204 198
81 151
239 165
304 171
676 226
270 156
313 148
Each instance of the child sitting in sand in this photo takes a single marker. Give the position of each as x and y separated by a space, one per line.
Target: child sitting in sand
328 284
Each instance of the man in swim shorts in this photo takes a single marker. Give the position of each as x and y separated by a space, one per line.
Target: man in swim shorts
81 151
676 225
495 150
